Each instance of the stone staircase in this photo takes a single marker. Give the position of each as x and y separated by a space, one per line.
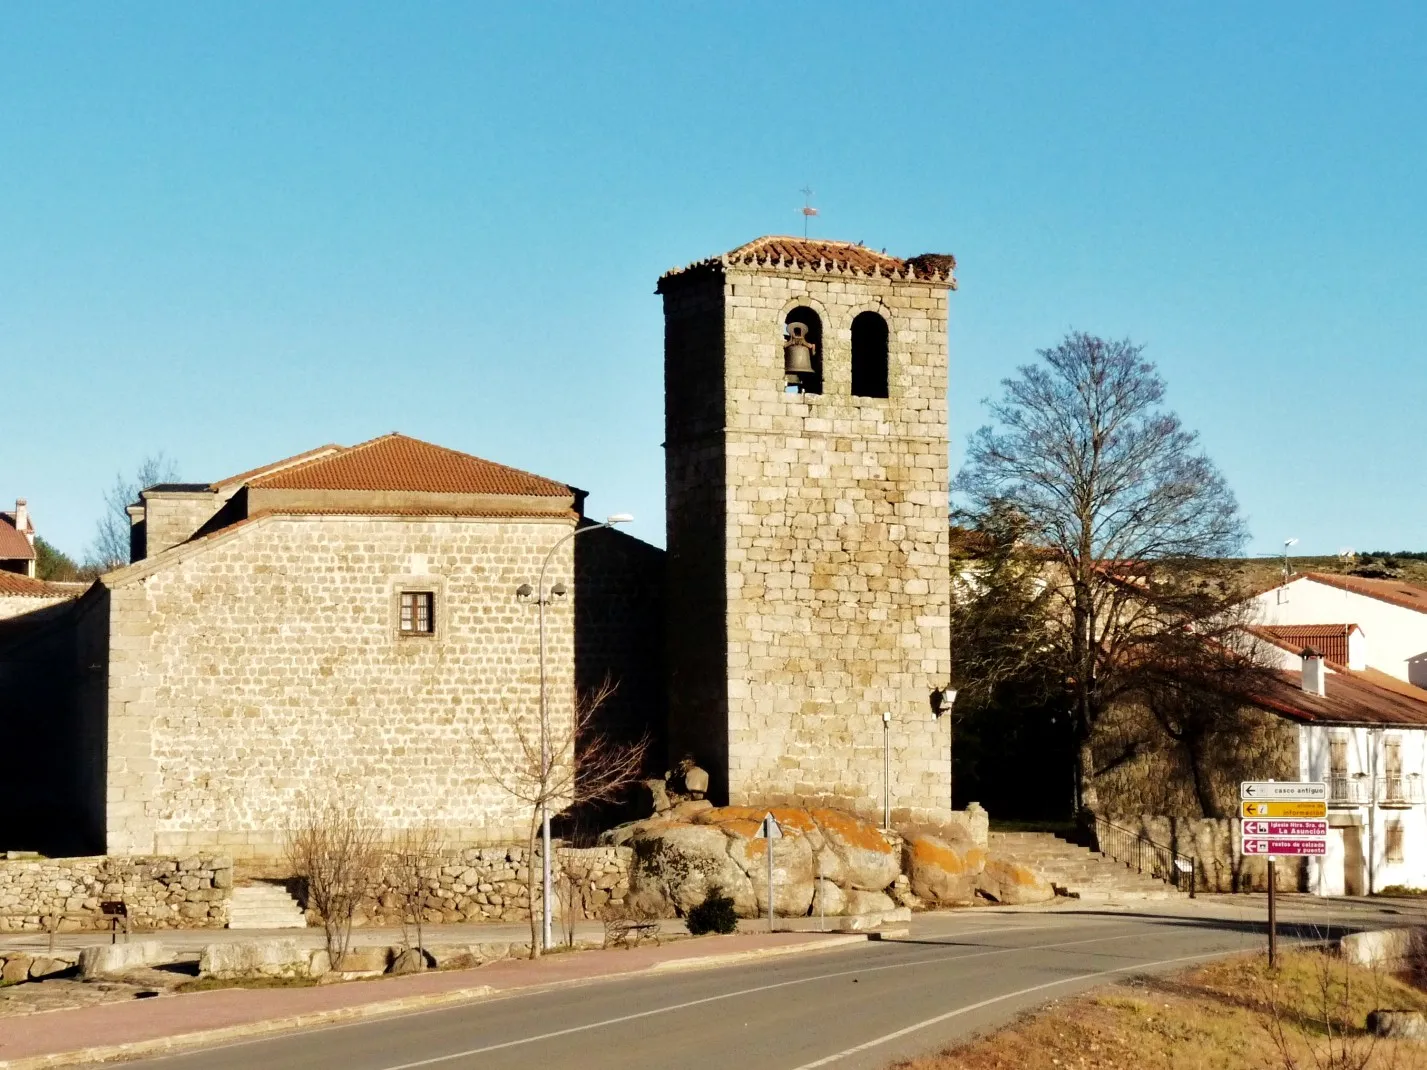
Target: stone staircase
1078 871
262 905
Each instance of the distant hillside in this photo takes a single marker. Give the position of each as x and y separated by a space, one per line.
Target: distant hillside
1259 572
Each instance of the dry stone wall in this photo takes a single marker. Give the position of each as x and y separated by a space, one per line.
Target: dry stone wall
488 884
265 663
832 511
160 892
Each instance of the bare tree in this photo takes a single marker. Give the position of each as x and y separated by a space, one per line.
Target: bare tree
1124 502
412 860
580 765
998 610
1198 684
110 548
333 845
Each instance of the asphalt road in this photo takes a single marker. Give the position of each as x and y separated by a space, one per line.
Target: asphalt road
847 1008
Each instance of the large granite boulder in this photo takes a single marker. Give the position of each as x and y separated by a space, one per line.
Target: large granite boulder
675 864
856 848
940 872
1012 884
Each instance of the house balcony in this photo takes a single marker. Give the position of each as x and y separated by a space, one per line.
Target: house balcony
1349 791
1399 792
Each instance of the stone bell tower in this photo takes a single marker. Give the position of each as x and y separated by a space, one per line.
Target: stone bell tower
806 472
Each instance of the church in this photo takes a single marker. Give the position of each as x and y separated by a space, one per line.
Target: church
354 616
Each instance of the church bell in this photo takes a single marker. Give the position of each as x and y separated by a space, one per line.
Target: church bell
798 351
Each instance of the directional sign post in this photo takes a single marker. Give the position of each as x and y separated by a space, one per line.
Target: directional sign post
770 831
1282 819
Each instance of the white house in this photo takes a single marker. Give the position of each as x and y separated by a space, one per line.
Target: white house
1384 622
1364 733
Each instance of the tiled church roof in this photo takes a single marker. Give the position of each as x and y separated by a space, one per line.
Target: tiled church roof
829 257
397 463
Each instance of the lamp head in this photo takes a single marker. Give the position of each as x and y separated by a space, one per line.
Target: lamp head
619 518
524 591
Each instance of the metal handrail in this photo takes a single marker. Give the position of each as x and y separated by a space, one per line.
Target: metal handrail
1144 855
1344 790
1396 788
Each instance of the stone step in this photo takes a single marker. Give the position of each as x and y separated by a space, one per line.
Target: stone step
264 906
1078 871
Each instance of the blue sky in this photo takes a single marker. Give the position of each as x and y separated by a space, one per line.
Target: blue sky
233 232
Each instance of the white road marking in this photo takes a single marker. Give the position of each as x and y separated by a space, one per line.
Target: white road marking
434 1060
886 1038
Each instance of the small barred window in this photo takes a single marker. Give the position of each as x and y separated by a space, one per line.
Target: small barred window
418 613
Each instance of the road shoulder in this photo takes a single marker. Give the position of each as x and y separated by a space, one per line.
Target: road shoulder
115 1031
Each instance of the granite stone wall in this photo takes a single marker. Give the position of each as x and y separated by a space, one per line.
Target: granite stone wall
488 884
159 892
265 663
828 514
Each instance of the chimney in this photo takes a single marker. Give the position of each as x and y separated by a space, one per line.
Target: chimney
1312 671
22 520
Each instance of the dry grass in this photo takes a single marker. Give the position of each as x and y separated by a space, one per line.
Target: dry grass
1230 1015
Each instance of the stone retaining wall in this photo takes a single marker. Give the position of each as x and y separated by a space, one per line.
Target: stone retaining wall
488 884
160 892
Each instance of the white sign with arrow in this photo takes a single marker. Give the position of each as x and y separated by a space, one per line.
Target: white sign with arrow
1283 791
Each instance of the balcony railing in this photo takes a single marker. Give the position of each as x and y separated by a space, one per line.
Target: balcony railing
1392 791
1399 790
1349 791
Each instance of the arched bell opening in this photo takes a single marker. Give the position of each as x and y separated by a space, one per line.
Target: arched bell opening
869 356
803 351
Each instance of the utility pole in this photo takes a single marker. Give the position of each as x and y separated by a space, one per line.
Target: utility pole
886 769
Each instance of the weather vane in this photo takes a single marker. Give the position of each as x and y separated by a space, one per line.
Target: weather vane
808 210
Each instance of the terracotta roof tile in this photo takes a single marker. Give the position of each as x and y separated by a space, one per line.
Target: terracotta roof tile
1406 595
412 511
12 583
397 463
819 255
275 466
1350 698
1330 640
13 545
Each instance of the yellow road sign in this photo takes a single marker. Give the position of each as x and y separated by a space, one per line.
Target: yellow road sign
1284 809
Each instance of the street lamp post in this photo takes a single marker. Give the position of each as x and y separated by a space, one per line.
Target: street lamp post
543 596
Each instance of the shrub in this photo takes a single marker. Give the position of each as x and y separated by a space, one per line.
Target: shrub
714 915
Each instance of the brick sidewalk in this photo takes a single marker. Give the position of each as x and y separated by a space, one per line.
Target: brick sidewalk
236 1010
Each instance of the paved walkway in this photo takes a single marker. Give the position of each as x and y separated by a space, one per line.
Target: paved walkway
197 939
238 1010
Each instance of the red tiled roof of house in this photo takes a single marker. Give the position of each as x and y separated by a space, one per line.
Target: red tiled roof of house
1349 698
12 583
1330 640
397 463
817 254
1406 595
13 544
1289 645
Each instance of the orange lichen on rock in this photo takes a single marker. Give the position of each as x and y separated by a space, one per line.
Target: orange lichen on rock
850 829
